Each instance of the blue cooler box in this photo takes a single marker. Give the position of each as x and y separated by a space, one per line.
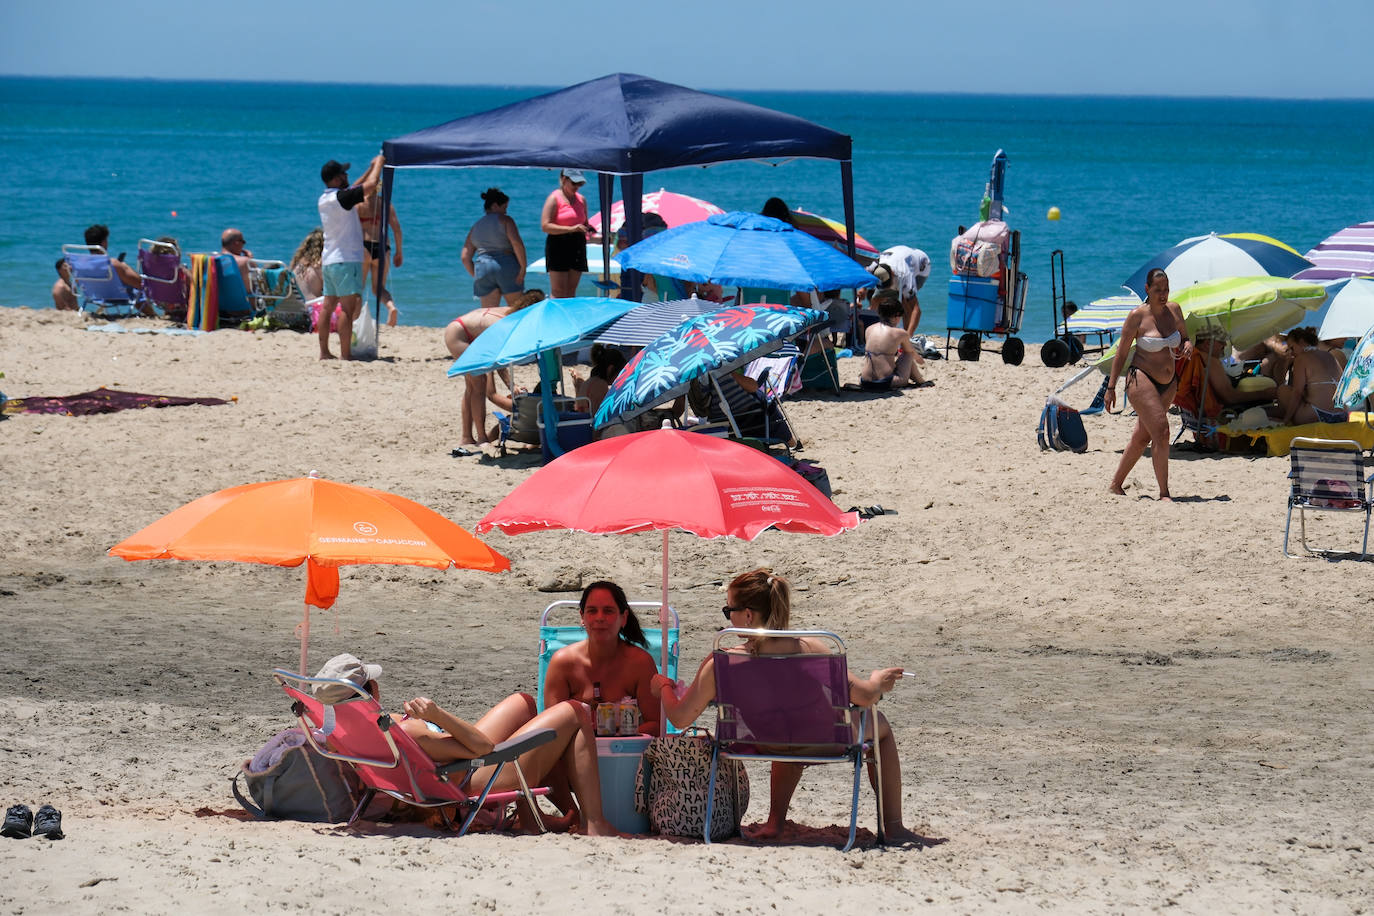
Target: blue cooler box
975 303
618 760
574 431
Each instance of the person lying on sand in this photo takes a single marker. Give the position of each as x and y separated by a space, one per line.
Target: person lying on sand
570 757
761 600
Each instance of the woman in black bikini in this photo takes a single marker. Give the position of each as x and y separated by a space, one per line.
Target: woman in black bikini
1156 330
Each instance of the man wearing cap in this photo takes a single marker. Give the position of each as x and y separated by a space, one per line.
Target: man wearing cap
905 270
342 263
231 243
564 221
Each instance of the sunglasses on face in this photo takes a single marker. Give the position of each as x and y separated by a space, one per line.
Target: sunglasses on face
730 609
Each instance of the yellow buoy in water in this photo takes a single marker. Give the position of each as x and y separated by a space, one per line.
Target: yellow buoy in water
1053 214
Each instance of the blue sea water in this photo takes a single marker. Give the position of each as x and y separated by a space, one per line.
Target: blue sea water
1131 176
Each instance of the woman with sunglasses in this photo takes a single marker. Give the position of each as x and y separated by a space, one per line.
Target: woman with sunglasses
759 599
614 655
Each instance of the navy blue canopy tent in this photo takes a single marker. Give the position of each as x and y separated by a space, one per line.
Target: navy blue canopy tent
625 125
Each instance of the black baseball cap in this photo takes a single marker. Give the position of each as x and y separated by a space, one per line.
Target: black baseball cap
332 169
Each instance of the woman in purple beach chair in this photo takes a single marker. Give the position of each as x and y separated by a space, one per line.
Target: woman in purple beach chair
759 599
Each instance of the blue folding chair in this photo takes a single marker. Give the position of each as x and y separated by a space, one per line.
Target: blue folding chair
102 293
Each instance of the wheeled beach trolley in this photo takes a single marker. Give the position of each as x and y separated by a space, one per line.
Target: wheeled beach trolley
987 290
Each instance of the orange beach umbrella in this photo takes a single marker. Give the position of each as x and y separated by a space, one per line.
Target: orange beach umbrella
321 523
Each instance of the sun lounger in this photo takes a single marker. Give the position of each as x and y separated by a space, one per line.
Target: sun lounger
790 708
389 761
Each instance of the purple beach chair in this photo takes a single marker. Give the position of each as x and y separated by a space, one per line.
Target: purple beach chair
159 264
387 760
790 708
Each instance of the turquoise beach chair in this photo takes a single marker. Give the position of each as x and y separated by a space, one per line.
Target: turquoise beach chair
554 636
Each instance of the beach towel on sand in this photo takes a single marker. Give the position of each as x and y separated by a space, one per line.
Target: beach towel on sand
101 400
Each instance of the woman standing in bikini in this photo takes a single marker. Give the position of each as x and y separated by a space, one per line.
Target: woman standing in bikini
369 217
1157 331
458 336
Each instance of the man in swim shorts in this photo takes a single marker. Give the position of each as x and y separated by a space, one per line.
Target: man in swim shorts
343 249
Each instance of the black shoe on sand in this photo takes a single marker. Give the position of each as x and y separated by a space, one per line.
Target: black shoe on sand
48 822
18 823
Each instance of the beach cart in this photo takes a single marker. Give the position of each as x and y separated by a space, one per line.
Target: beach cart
987 290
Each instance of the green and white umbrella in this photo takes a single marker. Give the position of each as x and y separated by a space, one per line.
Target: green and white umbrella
1249 309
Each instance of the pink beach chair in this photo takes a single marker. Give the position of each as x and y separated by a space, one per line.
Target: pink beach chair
389 761
790 708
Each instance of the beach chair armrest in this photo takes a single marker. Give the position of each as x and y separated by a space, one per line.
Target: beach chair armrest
504 752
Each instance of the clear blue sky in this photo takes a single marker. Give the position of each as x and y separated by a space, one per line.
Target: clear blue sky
1273 48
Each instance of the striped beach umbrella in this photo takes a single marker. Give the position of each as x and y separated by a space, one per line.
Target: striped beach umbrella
1212 257
642 326
1348 253
1102 316
832 233
1248 309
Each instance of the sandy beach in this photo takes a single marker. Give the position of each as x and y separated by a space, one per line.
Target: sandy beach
1120 705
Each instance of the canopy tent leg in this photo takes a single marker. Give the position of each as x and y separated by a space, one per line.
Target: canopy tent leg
606 186
632 193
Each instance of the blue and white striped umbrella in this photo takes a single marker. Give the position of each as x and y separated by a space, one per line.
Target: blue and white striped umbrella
650 321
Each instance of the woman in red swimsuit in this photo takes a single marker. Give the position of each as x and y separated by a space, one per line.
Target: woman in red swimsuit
459 334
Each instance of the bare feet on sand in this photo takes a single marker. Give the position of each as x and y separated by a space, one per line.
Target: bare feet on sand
765 830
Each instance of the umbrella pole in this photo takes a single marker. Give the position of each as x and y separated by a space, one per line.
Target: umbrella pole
305 639
663 628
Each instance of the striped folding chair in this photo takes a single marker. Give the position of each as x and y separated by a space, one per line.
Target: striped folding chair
1327 475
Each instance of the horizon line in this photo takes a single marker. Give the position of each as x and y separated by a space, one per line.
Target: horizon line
541 88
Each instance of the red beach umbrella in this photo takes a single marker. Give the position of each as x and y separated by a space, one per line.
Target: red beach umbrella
663 480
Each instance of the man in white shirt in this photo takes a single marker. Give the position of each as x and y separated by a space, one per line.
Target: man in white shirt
905 270
342 262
